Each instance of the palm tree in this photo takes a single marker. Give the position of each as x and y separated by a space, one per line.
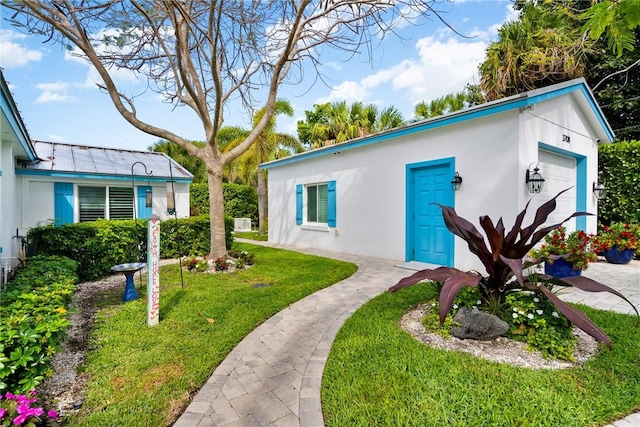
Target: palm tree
544 46
336 122
446 104
269 146
180 155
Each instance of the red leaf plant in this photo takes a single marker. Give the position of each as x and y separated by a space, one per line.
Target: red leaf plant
505 261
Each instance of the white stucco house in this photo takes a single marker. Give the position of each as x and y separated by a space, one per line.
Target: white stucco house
374 195
49 182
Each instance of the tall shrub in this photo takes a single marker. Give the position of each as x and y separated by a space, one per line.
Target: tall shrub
98 246
240 201
619 171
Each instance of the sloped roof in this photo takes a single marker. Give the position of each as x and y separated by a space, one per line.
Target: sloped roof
576 87
11 120
56 158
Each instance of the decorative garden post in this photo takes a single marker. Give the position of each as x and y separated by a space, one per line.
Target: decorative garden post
153 272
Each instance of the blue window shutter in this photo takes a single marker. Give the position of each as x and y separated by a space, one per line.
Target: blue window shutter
63 203
299 204
143 211
331 193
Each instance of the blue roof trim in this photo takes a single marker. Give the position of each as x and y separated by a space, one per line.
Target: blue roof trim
483 110
10 110
98 176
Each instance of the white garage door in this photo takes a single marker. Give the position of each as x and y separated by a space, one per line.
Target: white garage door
559 173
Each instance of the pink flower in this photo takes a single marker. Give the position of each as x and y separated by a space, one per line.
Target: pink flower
20 419
52 414
2 412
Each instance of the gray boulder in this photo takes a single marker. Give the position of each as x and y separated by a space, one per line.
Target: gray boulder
477 325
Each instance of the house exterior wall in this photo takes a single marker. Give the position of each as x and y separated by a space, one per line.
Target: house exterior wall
491 147
35 197
371 187
8 222
547 127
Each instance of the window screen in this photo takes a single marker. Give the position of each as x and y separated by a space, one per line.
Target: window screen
317 203
92 203
120 203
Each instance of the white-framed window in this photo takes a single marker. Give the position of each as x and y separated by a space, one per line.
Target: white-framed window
316 203
96 202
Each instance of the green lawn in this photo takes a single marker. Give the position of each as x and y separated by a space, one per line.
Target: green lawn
251 235
378 374
146 376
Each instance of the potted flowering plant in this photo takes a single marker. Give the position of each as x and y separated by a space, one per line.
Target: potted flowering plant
618 242
565 255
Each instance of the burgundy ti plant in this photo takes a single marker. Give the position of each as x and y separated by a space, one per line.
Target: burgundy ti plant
505 262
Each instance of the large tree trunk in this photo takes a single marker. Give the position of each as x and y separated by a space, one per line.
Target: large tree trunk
216 213
262 202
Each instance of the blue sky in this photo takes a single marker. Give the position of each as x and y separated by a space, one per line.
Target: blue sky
58 99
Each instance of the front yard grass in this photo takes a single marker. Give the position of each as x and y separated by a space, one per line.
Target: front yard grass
251 235
141 376
378 374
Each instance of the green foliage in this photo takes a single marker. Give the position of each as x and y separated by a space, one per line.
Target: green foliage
97 246
619 171
431 322
240 201
33 312
180 155
615 20
534 320
190 236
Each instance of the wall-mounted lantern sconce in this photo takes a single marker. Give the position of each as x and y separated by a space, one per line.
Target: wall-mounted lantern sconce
534 179
171 198
148 196
599 190
456 181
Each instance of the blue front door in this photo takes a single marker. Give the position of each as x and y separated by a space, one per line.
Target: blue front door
430 240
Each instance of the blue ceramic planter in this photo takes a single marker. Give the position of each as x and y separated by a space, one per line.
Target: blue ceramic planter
561 268
614 256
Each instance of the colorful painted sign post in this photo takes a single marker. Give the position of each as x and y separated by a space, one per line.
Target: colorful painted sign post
153 273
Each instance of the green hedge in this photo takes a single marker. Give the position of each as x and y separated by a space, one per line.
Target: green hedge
619 171
98 246
190 236
240 201
33 309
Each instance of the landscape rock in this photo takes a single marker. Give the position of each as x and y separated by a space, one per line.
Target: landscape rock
477 325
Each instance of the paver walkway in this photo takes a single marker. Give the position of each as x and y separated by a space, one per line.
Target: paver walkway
273 377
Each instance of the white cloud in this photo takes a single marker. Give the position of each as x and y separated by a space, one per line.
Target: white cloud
14 55
54 92
441 67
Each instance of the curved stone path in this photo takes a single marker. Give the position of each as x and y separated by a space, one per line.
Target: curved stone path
273 377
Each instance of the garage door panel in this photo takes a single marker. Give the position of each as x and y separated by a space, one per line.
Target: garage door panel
559 173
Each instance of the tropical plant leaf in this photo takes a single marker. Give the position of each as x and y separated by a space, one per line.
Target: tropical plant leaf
470 234
541 216
589 285
494 236
439 274
515 264
451 288
574 315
